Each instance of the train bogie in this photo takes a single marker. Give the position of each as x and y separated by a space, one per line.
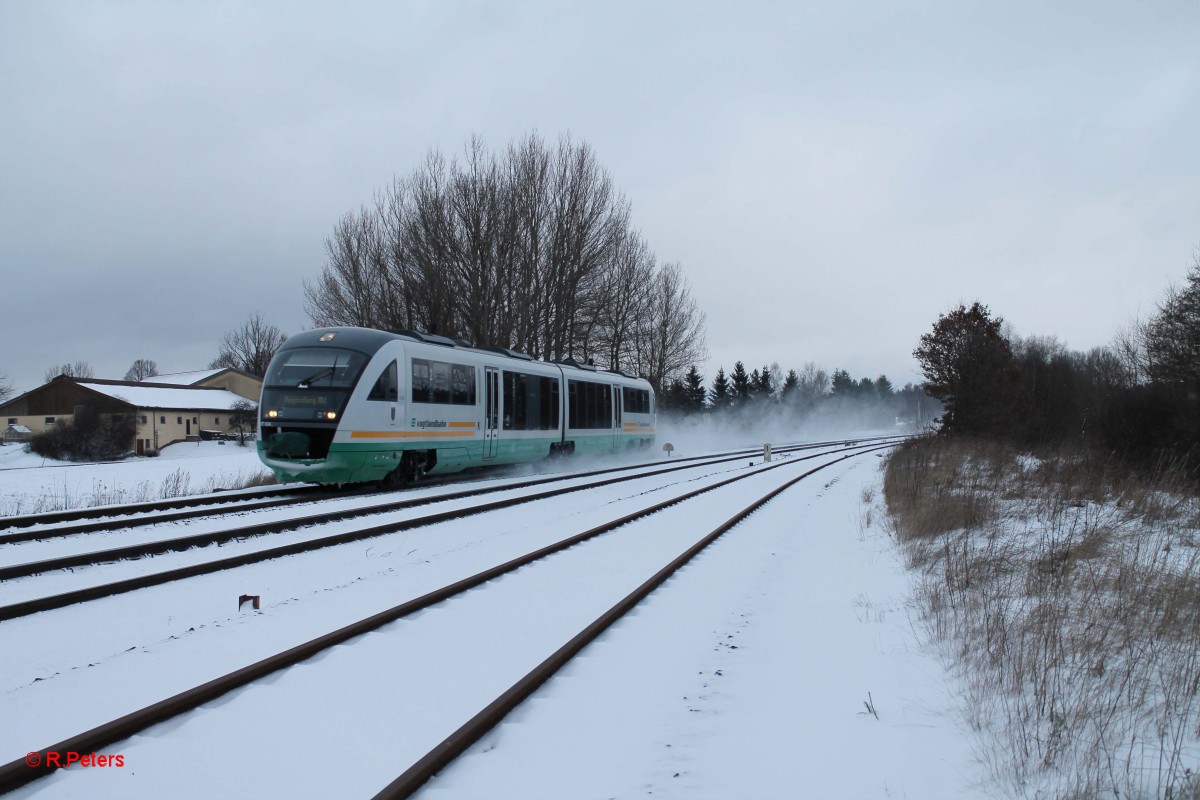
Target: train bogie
351 405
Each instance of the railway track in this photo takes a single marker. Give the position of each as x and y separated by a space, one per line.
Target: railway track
57 524
101 517
146 549
18 773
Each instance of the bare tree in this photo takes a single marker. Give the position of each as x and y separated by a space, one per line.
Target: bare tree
626 288
1129 347
587 219
251 347
814 382
141 369
243 418
80 369
672 333
6 387
531 250
352 289
524 283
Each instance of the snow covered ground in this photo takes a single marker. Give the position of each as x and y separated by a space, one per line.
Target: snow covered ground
30 484
749 674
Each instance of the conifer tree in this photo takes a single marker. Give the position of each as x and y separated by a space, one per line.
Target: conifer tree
740 384
720 394
766 387
842 384
791 384
675 397
694 384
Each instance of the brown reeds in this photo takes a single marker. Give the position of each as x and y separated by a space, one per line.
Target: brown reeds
1065 593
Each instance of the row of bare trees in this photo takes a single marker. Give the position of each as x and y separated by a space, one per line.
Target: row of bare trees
531 249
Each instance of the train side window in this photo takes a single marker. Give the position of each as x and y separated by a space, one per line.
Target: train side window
530 402
589 405
421 377
549 404
635 401
514 401
462 385
443 383
387 387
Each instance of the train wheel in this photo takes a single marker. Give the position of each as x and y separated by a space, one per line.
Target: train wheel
393 480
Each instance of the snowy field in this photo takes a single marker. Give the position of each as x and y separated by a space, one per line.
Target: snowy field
781 663
30 484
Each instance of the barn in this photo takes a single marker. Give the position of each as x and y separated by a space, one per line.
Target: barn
165 412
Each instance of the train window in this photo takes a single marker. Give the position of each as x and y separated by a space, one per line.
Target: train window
514 401
530 402
635 401
421 376
313 368
442 382
589 405
386 388
462 385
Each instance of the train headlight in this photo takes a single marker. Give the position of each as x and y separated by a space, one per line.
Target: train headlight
331 415
272 414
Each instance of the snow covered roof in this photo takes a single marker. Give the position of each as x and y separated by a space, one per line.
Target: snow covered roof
184 378
167 397
14 428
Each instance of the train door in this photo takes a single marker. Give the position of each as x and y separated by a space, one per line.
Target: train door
491 411
616 400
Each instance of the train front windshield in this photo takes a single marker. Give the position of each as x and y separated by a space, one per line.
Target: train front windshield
310 384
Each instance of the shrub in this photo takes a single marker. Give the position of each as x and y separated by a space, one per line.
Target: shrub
90 437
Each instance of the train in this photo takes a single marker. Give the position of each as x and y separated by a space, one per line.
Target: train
347 405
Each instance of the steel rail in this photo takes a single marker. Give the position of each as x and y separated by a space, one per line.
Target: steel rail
18 773
178 544
182 543
478 726
98 519
112 522
96 513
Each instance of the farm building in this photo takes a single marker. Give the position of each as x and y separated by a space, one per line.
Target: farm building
165 411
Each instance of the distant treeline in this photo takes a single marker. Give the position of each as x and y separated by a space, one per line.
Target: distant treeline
810 391
1138 398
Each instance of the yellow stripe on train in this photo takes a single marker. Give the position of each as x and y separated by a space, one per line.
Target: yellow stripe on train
411 434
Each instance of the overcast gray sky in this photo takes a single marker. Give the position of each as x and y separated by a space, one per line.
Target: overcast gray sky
831 176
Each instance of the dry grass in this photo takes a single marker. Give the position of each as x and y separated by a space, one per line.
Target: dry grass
1066 595
178 483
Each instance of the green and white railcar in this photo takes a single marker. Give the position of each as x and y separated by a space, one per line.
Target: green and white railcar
354 405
